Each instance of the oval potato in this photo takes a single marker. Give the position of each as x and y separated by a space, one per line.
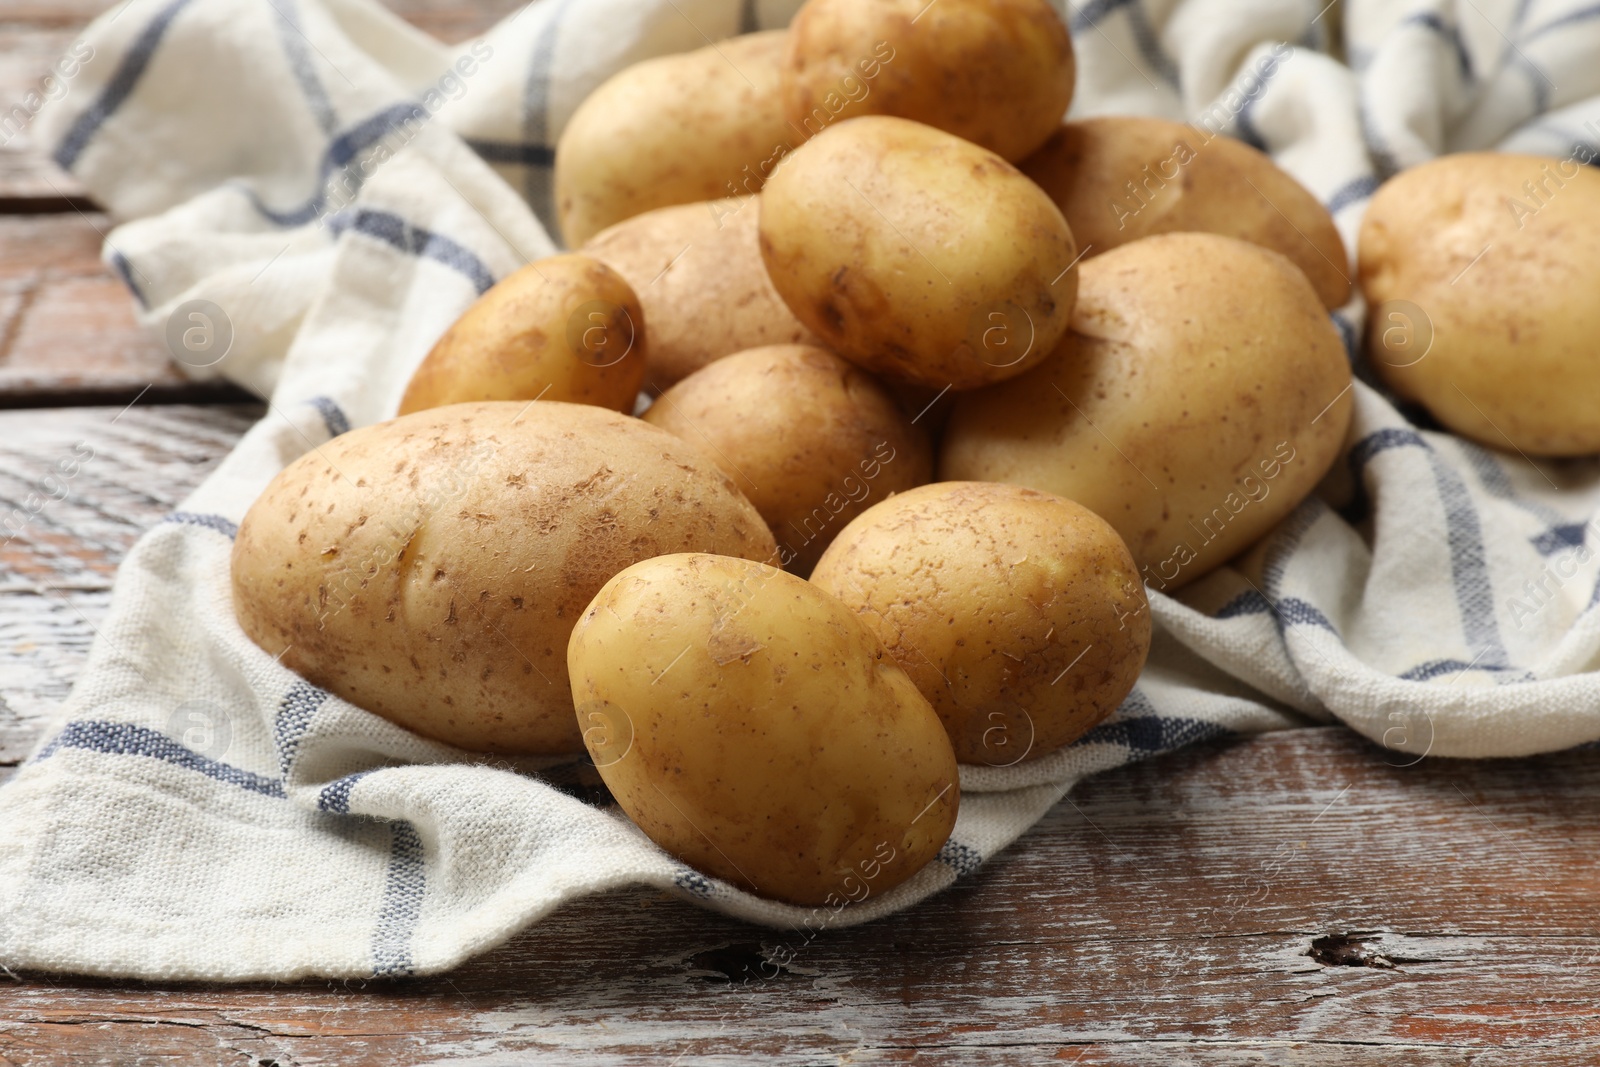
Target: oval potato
705 292
566 328
752 727
811 439
1020 615
1200 396
430 568
998 73
1482 277
678 129
1120 178
918 255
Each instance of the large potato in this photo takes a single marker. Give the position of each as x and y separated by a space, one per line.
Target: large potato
1118 179
430 569
565 328
1482 278
918 255
698 272
1200 396
674 130
1020 615
753 728
998 73
811 440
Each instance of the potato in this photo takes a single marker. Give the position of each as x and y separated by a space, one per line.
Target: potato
811 440
1020 615
674 130
1200 396
918 255
1482 278
430 569
998 73
752 727
565 328
1120 178
698 272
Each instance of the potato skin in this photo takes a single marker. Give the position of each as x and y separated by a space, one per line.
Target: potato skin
1200 396
1020 615
752 727
812 440
566 328
698 272
673 130
430 568
1185 179
1501 350
918 255
998 73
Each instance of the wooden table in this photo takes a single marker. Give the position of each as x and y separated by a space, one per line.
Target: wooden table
1294 899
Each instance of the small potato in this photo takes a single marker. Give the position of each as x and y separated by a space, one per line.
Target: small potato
811 440
1020 615
674 130
1118 179
752 727
565 328
998 73
430 568
1482 277
1200 396
698 272
918 255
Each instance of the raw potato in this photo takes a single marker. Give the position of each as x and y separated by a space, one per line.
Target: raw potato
1201 395
566 328
752 727
918 255
698 272
812 440
430 569
998 73
1118 179
1482 278
675 130
1020 615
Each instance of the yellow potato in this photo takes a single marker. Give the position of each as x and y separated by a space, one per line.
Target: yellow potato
1482 278
1120 178
811 440
754 729
1200 396
674 130
998 73
918 255
1020 615
430 569
565 328
698 272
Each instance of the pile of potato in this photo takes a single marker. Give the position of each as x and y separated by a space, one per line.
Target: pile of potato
936 385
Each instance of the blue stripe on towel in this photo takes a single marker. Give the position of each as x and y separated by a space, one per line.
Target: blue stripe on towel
125 739
124 269
337 156
119 88
300 705
297 49
537 182
1469 568
333 416
221 525
527 155
1450 34
1352 192
402 903
1583 14
335 797
396 231
963 859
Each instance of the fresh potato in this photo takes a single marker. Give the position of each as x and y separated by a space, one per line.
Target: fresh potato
810 439
430 569
1120 178
918 255
674 130
998 73
752 727
1200 396
1020 615
1482 277
565 328
698 272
